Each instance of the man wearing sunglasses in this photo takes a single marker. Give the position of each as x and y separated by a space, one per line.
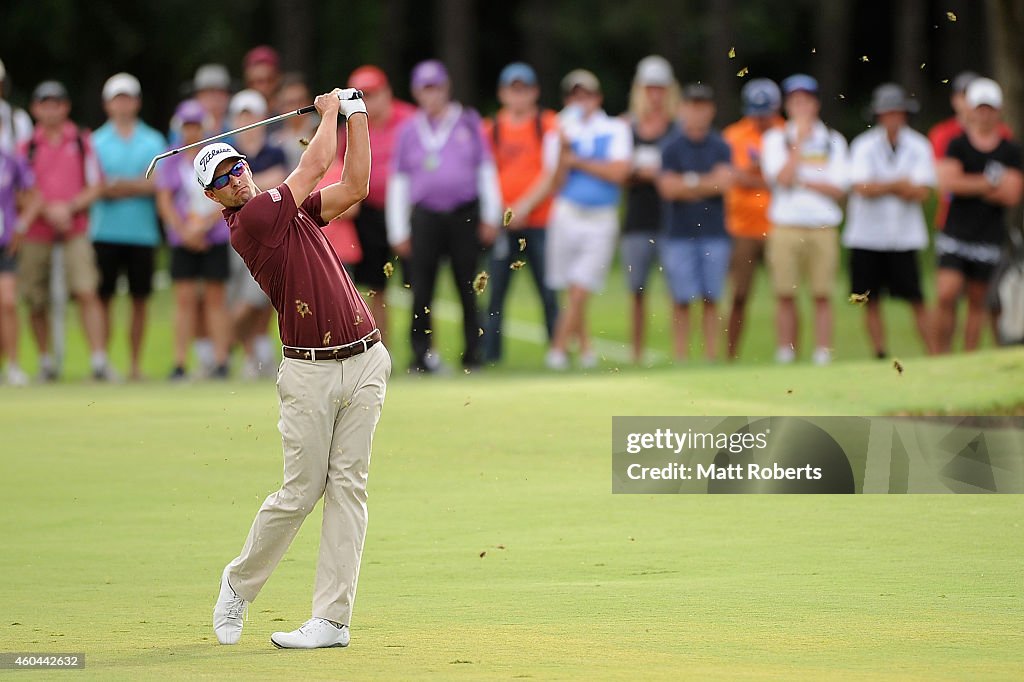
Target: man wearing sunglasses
332 380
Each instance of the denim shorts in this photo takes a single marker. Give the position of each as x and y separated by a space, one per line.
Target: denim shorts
695 267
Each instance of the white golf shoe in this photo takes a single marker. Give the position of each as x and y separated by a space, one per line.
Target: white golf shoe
228 613
315 633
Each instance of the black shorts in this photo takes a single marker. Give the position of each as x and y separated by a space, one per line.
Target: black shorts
135 261
895 272
373 240
8 263
972 270
211 265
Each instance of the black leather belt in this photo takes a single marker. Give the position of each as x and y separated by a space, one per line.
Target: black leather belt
335 353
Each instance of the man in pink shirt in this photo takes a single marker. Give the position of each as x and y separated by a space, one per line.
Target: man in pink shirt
68 178
386 115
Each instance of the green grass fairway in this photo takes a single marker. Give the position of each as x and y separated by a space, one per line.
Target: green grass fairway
495 548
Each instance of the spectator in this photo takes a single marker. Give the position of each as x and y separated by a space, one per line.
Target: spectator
746 202
695 173
15 124
892 173
944 132
653 103
443 200
517 143
17 188
251 310
386 114
261 70
982 172
123 220
294 94
593 162
212 87
68 176
198 237
805 163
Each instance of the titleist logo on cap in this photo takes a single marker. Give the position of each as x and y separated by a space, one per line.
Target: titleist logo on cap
210 154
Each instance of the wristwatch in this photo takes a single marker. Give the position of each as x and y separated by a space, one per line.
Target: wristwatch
691 179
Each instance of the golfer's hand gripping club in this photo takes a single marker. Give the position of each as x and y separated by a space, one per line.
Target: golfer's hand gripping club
351 102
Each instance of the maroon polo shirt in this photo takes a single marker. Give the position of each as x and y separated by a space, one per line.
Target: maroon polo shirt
318 306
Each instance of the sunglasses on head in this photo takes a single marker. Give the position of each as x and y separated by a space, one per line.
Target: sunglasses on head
221 181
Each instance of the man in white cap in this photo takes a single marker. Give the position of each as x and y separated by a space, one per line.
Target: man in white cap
982 172
123 221
212 87
333 377
250 308
15 124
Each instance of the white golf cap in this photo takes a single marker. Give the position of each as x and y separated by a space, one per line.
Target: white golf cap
209 157
211 77
654 70
121 84
248 100
984 91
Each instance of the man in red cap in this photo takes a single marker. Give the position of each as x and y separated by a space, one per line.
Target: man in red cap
262 70
386 115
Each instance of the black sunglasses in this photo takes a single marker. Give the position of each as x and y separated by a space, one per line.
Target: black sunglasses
221 181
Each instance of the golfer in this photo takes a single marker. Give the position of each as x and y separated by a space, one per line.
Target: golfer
332 379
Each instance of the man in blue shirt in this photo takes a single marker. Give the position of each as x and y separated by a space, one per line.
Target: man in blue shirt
123 221
694 246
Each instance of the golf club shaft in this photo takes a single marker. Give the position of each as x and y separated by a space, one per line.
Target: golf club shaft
273 119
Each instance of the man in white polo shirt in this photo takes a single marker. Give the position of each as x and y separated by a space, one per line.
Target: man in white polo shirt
892 172
805 164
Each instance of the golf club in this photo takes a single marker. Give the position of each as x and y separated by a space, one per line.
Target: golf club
358 94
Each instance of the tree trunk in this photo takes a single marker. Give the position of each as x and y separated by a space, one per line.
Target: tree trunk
832 31
910 50
1006 51
722 70
391 32
456 46
294 36
538 32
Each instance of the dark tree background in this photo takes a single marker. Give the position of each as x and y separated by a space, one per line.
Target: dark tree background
849 46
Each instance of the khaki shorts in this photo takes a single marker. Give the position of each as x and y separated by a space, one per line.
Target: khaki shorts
34 270
795 253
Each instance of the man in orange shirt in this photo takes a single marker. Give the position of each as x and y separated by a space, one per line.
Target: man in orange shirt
746 203
517 134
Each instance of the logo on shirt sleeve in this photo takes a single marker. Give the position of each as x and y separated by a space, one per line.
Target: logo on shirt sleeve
274 194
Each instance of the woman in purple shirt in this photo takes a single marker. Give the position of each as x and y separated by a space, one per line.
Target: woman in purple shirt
198 237
16 185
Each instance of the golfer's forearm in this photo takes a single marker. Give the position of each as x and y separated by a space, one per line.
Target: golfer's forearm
356 170
324 146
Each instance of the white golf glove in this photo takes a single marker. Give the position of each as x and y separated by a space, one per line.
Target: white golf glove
348 105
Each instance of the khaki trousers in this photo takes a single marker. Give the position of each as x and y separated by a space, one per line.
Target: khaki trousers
329 411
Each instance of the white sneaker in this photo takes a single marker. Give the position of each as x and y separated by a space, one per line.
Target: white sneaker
315 633
557 360
228 613
785 355
588 360
16 377
821 356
